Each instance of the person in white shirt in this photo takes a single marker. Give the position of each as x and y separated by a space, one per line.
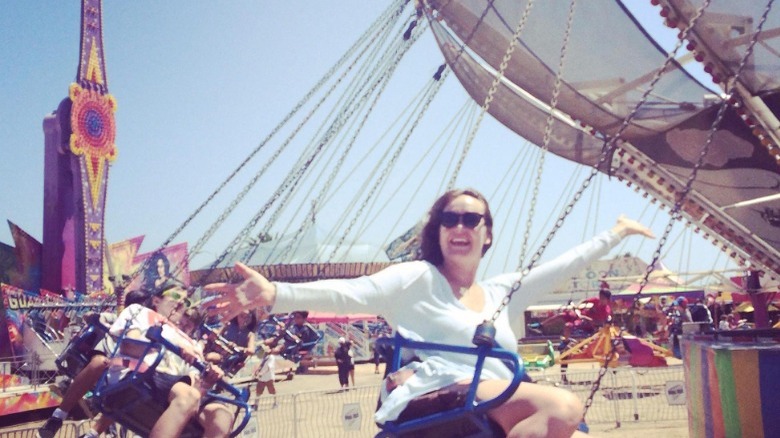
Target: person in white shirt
174 380
439 299
265 373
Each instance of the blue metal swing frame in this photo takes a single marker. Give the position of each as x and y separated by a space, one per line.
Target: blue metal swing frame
130 401
79 350
471 411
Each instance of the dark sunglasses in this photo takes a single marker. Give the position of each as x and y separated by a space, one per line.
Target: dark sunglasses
179 298
449 219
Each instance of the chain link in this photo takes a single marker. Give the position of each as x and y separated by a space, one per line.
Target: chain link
682 196
491 92
297 174
386 171
381 23
547 132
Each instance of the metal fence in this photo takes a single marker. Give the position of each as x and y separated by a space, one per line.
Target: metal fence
23 372
70 429
626 395
348 413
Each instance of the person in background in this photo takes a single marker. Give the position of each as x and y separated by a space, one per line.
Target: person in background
343 361
265 373
240 333
351 353
88 377
714 306
677 315
304 337
700 312
173 380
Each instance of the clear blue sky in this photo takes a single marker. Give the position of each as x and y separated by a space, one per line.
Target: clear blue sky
200 84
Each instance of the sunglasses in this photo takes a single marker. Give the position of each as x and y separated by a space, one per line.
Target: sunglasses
178 297
449 219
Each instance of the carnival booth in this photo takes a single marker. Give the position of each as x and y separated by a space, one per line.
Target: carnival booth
732 382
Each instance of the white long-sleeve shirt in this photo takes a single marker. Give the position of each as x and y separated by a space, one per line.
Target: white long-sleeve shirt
415 297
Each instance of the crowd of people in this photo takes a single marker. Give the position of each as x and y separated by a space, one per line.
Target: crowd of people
662 317
657 318
223 345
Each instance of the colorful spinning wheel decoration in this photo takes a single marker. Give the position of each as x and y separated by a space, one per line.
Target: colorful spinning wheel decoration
93 132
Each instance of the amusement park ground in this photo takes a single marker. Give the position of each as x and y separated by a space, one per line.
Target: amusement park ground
325 378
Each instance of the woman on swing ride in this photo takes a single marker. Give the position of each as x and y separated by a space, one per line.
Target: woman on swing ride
439 299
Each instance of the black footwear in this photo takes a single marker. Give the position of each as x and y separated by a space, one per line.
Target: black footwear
50 429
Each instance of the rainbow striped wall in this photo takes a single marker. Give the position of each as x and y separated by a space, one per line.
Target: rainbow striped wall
733 389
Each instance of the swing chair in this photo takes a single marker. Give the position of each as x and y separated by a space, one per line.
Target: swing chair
80 349
468 420
232 359
129 401
471 420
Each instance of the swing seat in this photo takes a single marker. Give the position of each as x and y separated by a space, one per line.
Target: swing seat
469 418
81 348
131 403
296 352
233 360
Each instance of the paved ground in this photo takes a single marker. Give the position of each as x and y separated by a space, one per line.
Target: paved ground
324 378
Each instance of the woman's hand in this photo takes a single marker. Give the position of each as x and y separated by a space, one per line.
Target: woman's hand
626 227
255 291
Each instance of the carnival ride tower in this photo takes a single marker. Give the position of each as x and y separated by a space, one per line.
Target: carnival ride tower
79 146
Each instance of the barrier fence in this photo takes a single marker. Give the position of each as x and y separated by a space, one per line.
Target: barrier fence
70 429
22 372
626 395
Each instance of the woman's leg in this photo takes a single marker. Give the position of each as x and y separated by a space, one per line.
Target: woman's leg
534 410
84 381
216 420
184 403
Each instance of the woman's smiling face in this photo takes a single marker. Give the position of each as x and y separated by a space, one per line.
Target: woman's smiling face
460 240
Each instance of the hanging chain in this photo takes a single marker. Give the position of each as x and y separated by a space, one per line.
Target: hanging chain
296 174
375 88
547 132
491 92
609 147
390 164
383 19
682 196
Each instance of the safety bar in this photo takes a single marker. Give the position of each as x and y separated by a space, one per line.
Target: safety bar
240 396
470 409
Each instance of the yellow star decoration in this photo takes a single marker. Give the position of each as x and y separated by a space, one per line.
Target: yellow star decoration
93 131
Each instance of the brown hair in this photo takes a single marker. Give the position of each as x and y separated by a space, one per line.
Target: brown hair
430 250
